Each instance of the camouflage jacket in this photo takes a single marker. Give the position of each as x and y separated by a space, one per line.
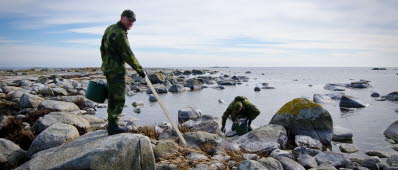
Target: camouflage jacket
240 108
115 50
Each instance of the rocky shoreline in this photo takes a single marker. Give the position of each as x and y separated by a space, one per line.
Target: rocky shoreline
46 122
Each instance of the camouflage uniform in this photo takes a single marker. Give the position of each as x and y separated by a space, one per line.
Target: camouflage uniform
115 52
240 108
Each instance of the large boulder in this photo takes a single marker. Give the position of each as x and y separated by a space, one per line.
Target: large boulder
188 113
303 117
97 150
10 154
29 101
58 106
199 139
79 122
392 131
156 78
175 88
264 139
55 135
338 160
346 102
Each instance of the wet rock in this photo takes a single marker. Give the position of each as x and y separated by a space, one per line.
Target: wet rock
97 150
289 164
226 83
250 164
271 163
10 154
165 149
380 154
303 150
55 135
58 106
188 113
199 139
374 94
391 96
46 91
308 142
209 126
263 139
342 134
303 117
307 161
175 88
317 98
371 163
360 85
152 98
61 117
160 89
393 160
348 148
257 89
278 153
349 103
29 101
392 131
338 160
156 78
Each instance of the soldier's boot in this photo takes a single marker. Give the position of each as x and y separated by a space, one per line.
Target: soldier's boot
250 127
114 128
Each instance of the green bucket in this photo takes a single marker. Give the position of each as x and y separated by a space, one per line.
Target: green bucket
97 92
242 127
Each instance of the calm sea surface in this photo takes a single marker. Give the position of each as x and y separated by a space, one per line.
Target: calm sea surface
368 124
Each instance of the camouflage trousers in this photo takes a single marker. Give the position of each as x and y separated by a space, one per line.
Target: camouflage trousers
116 97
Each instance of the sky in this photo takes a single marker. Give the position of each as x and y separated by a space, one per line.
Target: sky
203 33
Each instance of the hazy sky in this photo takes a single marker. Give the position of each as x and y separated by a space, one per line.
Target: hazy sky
203 33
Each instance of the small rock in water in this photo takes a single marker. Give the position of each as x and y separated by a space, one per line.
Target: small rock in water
137 110
377 153
138 104
348 148
257 89
220 101
152 98
342 134
374 94
349 103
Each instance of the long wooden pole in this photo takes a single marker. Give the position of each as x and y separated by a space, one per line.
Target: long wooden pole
165 110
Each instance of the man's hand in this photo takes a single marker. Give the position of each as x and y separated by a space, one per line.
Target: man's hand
223 129
141 74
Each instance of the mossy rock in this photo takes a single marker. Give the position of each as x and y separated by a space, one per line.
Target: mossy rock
303 117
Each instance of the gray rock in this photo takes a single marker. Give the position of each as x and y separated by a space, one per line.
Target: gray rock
271 163
250 156
342 134
391 96
58 106
289 164
209 126
17 94
60 91
188 113
264 139
317 98
138 104
199 139
360 85
326 167
303 150
395 146
97 150
209 117
29 101
307 161
152 98
194 156
175 88
156 78
46 91
250 164
160 166
374 94
371 163
348 148
61 117
55 135
380 154
393 160
346 102
221 158
160 89
10 154
308 142
334 87
95 122
165 149
303 117
338 160
42 80
392 131
137 110
278 153
257 89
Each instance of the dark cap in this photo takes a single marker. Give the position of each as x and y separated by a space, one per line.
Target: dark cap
129 14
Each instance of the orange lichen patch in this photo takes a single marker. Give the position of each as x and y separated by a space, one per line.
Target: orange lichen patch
294 106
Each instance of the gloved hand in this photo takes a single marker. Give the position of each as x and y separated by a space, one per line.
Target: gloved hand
141 74
223 129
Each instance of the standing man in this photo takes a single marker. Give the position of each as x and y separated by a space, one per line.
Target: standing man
115 52
240 108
